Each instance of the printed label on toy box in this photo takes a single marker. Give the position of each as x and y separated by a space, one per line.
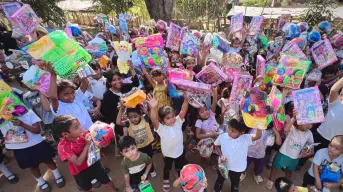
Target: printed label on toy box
323 54
174 37
16 135
240 84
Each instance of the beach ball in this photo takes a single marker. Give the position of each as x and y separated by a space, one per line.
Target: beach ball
102 133
325 26
313 36
192 178
303 26
161 26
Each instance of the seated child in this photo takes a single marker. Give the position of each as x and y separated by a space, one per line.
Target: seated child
135 165
73 147
283 184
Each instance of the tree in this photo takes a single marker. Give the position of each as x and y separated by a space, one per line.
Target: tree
118 6
160 9
320 10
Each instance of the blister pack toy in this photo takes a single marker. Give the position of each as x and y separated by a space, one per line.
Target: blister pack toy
271 69
133 98
192 178
66 55
224 170
240 84
150 50
315 75
36 78
10 108
308 104
330 173
220 44
291 71
86 71
323 53
194 88
93 154
231 64
174 37
337 40
25 19
284 18
10 8
176 73
4 87
293 49
255 25
102 134
97 47
260 66
278 116
211 74
205 147
236 23
189 45
184 30
145 186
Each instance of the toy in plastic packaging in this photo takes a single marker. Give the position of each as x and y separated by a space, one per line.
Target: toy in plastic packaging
18 62
307 148
4 87
68 32
37 79
97 47
211 74
194 88
189 45
205 147
284 18
236 23
184 31
122 23
315 75
313 36
330 173
326 27
11 108
102 134
278 116
124 51
300 41
231 64
176 73
308 104
220 44
240 84
260 65
291 31
174 37
145 186
93 154
134 97
291 72
224 170
161 26
192 178
323 53
255 25
303 26
66 55
293 49
150 50
25 19
16 135
103 62
10 8
86 71
337 40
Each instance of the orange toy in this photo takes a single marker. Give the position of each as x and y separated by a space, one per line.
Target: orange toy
134 97
104 61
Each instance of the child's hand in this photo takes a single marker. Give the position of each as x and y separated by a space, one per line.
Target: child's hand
128 189
88 139
214 135
17 122
331 185
152 102
144 71
340 74
222 159
50 69
319 185
121 106
84 81
143 177
129 63
295 113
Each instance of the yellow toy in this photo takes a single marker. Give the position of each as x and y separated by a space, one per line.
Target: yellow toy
124 51
134 97
103 61
4 87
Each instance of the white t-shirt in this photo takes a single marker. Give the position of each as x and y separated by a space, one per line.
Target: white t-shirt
209 125
97 87
29 118
76 109
234 150
171 139
333 121
322 159
295 142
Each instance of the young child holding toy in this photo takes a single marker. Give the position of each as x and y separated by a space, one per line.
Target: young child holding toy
169 128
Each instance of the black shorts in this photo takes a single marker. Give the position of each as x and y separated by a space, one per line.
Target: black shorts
32 156
85 177
308 180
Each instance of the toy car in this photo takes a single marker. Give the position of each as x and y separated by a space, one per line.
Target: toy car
254 102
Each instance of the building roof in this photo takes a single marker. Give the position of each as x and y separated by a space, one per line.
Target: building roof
76 5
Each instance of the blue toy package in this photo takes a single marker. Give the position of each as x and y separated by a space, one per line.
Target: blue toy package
330 174
220 44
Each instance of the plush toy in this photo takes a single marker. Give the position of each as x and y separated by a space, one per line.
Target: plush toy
161 26
102 134
326 27
313 36
291 31
124 51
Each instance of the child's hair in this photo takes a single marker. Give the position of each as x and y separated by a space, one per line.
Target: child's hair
114 60
331 69
164 111
339 138
63 84
289 107
134 110
185 60
283 184
156 72
126 142
270 126
94 65
225 93
62 124
109 76
238 125
246 41
235 39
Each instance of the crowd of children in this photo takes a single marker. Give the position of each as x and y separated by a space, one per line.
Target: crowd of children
169 112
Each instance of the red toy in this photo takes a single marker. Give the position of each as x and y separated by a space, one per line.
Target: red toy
102 133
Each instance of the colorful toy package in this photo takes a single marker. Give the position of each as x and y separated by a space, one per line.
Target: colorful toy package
133 98
25 19
10 8
145 186
192 178
194 88
220 44
176 73
293 49
284 18
184 30
211 74
93 154
307 103
315 75
337 40
205 147
231 64
189 45
236 23
97 47
150 50
101 133
4 87
323 53
255 25
35 78
278 116
103 62
174 37
260 65
10 107
224 170
271 69
86 71
66 55
240 84
291 71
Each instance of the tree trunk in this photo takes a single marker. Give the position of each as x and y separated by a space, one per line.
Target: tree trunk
160 9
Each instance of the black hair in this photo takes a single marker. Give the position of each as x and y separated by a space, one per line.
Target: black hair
114 60
94 65
270 126
164 111
156 72
289 106
238 125
63 84
62 124
134 110
331 69
109 77
226 93
283 184
126 142
339 138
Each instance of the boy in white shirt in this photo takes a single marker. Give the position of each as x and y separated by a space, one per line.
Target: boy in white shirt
97 82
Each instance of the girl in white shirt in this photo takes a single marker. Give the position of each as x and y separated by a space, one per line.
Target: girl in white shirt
169 128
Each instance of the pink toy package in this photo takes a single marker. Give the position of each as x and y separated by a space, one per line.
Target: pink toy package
278 116
323 53
25 19
174 37
35 78
255 25
211 74
260 66
150 50
231 65
194 88
307 103
240 84
293 49
236 23
184 30
284 18
10 8
176 73
314 75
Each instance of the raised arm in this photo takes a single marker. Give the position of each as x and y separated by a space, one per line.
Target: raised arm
335 89
152 102
257 135
215 100
278 140
148 76
44 102
184 107
53 87
289 124
120 116
84 84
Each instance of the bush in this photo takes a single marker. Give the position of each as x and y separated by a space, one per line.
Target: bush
258 3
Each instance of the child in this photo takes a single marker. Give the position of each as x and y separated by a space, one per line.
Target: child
283 184
189 63
327 158
97 82
169 128
135 165
139 129
11 178
157 80
233 151
288 157
32 152
73 147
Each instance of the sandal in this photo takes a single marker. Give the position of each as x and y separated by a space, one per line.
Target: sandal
61 182
47 187
166 186
269 184
13 179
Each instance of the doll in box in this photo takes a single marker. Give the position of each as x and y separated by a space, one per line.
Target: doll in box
124 51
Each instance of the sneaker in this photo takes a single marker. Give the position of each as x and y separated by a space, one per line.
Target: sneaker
258 179
95 183
269 184
153 174
242 177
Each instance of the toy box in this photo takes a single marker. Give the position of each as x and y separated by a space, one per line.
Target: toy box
255 25
330 173
10 8
174 37
25 19
220 44
284 18
260 66
134 97
93 154
150 50
211 74
176 73
195 88
323 53
145 186
4 87
236 22
240 84
103 62
231 65
86 71
189 45
307 103
35 78
10 108
315 75
293 49
278 116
